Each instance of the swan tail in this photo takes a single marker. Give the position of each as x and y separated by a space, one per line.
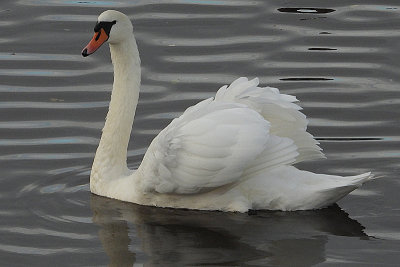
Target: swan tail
288 188
279 109
337 192
358 180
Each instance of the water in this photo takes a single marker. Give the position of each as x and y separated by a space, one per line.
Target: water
341 60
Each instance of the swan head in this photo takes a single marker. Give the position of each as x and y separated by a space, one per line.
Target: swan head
113 27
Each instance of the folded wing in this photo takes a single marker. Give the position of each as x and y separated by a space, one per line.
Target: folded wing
210 145
245 130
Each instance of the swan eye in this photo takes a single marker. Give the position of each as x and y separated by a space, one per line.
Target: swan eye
96 27
106 25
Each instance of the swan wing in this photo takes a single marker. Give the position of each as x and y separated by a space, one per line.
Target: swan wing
210 145
284 115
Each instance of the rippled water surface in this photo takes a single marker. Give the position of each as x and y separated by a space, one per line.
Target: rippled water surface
340 58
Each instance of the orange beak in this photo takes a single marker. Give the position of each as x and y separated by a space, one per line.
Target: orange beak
98 39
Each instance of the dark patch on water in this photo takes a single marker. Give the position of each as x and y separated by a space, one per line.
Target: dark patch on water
321 49
305 10
297 79
349 139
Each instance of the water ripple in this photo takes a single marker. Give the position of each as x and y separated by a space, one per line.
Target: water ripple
214 58
47 232
223 41
48 124
37 250
36 57
52 105
339 58
48 141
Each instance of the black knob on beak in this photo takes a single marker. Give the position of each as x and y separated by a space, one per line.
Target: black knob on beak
84 52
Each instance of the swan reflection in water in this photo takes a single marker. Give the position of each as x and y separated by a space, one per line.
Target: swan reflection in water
172 237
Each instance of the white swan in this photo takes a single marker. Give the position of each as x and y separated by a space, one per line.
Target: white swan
233 152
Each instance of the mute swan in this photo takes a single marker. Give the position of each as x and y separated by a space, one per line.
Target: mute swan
232 152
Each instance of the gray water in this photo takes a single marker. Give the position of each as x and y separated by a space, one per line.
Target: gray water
341 59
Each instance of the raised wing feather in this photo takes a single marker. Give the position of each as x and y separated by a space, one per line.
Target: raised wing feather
210 145
279 109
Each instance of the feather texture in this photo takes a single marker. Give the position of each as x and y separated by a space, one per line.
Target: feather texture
279 109
210 145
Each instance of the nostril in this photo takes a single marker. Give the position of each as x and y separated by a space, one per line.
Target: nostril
84 52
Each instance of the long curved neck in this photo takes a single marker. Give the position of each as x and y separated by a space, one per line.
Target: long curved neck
110 159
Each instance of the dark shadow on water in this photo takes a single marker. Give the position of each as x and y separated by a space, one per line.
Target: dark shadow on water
306 10
184 237
296 79
349 139
321 49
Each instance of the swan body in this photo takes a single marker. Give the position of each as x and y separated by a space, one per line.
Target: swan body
232 152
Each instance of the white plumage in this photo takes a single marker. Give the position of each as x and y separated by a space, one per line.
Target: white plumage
233 152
